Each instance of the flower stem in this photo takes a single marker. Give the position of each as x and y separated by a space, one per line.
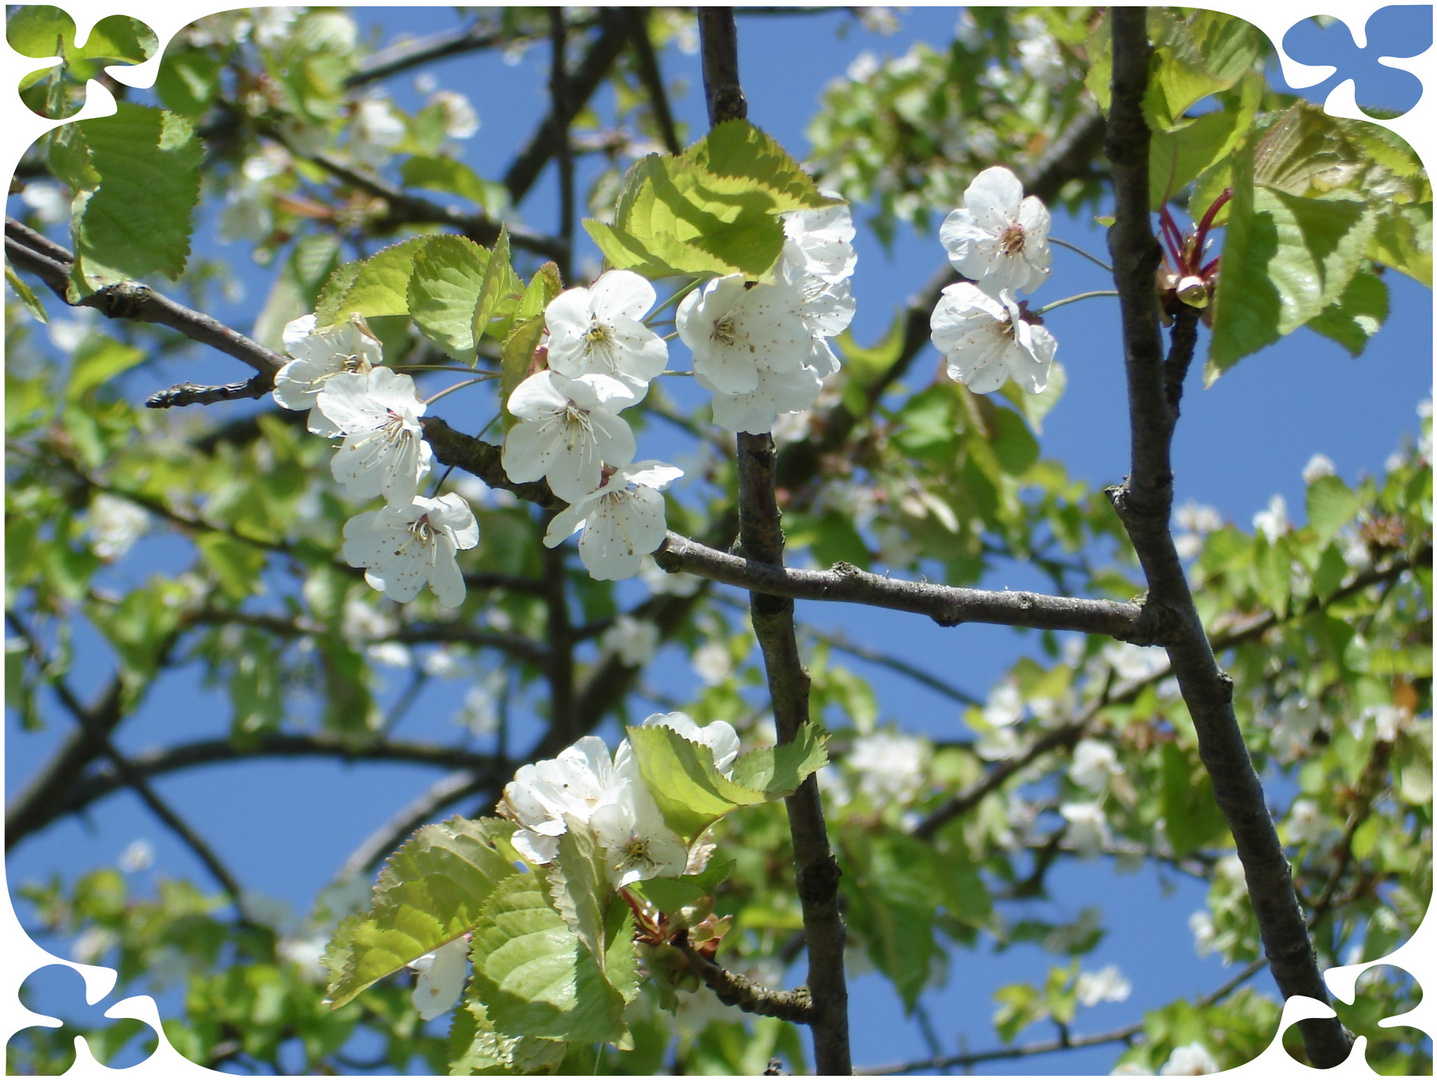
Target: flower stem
459 386
1070 299
1080 251
678 295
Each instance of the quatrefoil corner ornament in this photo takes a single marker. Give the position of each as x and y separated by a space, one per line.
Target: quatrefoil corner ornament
1382 992
1381 90
44 32
65 1006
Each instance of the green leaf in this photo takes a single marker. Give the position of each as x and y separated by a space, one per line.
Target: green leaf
1019 1004
236 565
187 82
446 174
1356 315
712 210
894 897
380 285
1274 572
1330 572
778 770
39 30
136 222
671 894
1307 153
579 887
1403 241
691 793
534 976
1330 505
1188 807
502 291
98 360
431 890
1285 258
1034 407
1195 57
476 1049
516 356
445 285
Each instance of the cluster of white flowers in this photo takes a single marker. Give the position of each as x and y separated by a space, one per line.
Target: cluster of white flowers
586 787
336 376
999 239
761 349
1106 984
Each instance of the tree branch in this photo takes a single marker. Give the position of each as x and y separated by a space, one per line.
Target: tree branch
761 537
731 988
946 605
1144 503
132 300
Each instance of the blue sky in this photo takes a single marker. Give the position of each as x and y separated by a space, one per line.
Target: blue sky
285 828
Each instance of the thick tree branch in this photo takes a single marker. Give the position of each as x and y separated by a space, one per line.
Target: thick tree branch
761 537
1144 503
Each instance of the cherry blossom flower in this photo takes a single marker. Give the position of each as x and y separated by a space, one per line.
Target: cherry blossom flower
890 766
633 640
405 548
637 842
566 432
985 341
318 355
622 521
998 238
1272 522
1106 984
545 796
114 525
1094 764
790 389
442 974
1190 1060
599 331
1318 466
384 451
1087 827
820 242
718 735
734 327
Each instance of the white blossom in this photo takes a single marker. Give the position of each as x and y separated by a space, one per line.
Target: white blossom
1094 764
1087 827
1204 932
1189 1060
374 131
49 201
637 843
622 521
820 242
1004 706
1135 662
599 331
712 662
634 640
384 452
890 766
319 355
789 389
566 432
441 978
1272 522
460 119
985 341
662 583
139 855
1305 822
998 238
1297 722
114 525
1038 52
544 796
734 329
405 548
718 735
1106 984
1318 466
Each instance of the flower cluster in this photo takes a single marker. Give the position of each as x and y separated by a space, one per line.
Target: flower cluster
585 788
338 378
999 240
762 350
